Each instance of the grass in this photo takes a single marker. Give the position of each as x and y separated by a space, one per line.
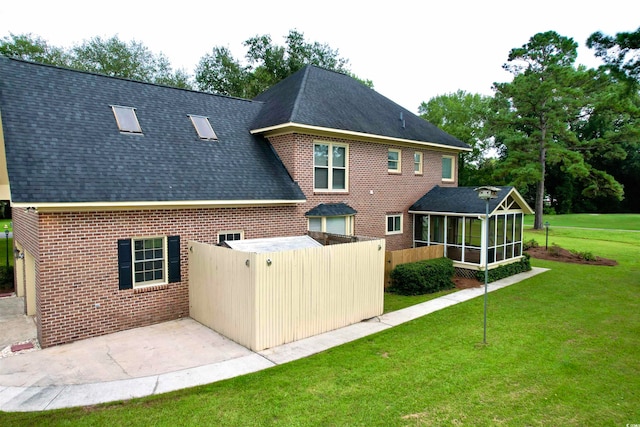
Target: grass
8 223
394 302
563 350
4 244
610 221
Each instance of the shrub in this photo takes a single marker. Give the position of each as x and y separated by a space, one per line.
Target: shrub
530 244
422 277
585 255
555 249
507 270
6 277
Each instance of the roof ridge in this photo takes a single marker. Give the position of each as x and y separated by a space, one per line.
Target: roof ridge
303 84
94 73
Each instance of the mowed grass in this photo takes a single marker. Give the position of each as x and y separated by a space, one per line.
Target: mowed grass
563 349
609 221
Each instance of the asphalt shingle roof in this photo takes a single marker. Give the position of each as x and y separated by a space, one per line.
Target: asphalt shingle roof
319 97
63 145
463 200
331 209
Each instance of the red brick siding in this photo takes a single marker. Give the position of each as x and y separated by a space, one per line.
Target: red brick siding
392 193
78 265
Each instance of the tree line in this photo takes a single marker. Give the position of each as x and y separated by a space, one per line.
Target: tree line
567 136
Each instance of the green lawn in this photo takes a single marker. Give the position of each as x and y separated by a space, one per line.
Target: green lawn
563 350
613 221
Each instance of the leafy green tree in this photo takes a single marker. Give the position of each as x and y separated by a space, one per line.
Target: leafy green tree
538 116
131 60
33 48
112 57
267 64
221 73
621 53
464 115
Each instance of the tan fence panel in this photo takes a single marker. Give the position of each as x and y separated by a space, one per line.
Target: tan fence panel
394 258
309 291
222 291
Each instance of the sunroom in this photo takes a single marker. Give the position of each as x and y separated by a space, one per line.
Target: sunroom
455 218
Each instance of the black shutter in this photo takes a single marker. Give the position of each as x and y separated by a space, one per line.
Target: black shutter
124 264
173 252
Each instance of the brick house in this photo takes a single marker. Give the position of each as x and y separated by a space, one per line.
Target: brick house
110 178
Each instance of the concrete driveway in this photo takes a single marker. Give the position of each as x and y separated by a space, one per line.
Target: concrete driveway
16 326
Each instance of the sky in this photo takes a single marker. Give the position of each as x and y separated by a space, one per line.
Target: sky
411 50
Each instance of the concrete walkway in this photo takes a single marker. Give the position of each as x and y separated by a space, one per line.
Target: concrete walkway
172 356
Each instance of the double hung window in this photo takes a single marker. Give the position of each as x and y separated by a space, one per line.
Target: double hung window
330 170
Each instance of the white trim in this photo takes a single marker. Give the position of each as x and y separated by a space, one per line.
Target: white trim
386 224
165 263
453 168
330 167
227 232
398 170
420 170
292 127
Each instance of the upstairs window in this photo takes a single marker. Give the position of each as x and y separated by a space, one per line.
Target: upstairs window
417 163
393 160
203 127
330 171
448 168
126 119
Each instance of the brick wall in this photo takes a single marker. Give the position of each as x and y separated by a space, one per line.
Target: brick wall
77 279
373 191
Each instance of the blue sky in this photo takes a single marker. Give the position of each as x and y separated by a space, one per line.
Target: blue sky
411 50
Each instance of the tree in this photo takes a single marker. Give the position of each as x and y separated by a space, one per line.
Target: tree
267 64
538 116
620 53
464 115
131 60
112 57
221 73
32 48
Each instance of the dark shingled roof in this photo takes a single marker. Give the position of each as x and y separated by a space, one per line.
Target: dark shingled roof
62 143
332 209
319 97
463 200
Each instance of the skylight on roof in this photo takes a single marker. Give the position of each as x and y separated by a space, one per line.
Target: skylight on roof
203 127
126 119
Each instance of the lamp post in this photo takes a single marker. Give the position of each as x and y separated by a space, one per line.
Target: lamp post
546 242
486 194
6 238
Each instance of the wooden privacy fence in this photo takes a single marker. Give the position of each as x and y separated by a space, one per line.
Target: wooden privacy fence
262 300
393 258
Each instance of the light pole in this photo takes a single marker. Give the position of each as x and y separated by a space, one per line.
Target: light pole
486 193
6 238
546 242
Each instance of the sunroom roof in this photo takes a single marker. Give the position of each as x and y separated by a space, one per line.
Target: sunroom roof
465 200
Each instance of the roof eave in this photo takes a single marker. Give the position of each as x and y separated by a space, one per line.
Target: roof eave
292 127
150 205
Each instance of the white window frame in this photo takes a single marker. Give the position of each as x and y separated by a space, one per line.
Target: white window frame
398 162
164 260
203 127
386 224
330 168
417 163
348 219
453 169
228 233
126 119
